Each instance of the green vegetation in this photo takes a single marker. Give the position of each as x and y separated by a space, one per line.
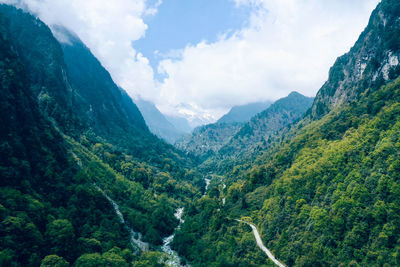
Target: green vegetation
205 141
53 152
219 147
329 196
323 189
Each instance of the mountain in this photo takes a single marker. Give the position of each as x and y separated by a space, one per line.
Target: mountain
267 123
244 113
326 193
157 122
207 140
85 183
180 123
229 142
81 174
372 61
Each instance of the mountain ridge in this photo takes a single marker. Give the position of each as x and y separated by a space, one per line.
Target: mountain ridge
326 193
244 113
224 142
157 122
68 130
372 61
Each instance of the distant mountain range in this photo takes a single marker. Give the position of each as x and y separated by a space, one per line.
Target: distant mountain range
206 140
244 113
83 181
180 123
231 139
169 129
173 128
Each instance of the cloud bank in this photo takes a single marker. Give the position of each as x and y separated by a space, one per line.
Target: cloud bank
108 28
288 45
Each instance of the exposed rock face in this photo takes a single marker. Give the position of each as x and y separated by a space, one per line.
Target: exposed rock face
372 61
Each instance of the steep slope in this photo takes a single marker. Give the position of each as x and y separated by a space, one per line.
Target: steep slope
103 106
257 135
244 113
60 142
36 173
207 140
370 63
224 144
280 114
327 197
157 122
327 194
180 123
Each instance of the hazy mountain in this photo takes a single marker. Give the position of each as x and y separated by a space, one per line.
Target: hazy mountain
157 122
180 123
244 113
262 126
234 139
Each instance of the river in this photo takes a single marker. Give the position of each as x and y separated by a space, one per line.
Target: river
174 259
135 237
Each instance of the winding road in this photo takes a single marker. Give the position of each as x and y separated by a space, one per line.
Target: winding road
261 245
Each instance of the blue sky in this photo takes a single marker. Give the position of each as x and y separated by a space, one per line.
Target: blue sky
273 47
179 23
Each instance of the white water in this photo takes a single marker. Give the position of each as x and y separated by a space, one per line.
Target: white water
208 181
174 260
136 238
261 245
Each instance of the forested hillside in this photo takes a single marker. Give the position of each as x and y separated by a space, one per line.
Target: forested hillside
263 126
72 141
83 182
207 140
326 193
221 145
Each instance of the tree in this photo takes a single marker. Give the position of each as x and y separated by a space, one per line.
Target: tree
61 236
89 260
54 261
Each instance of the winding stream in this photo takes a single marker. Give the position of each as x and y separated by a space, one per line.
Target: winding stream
174 260
208 181
135 237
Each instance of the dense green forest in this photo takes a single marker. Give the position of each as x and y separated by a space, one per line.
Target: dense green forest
325 192
220 146
65 143
329 196
83 182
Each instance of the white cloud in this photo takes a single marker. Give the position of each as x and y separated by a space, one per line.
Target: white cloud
289 45
108 28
